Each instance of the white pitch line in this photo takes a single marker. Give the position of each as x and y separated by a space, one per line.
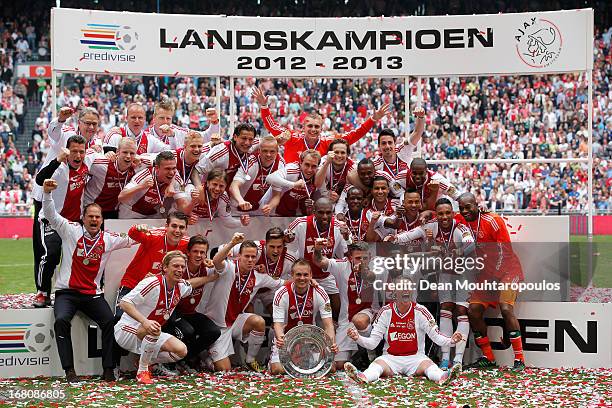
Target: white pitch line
9 265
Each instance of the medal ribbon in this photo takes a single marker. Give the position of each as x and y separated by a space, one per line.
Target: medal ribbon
87 252
299 312
185 177
244 165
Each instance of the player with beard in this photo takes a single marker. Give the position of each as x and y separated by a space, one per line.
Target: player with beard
109 176
322 224
231 294
250 192
215 203
403 324
135 129
335 166
70 169
354 280
453 240
170 134
196 330
501 264
310 138
429 184
231 154
144 195
296 303
148 308
293 187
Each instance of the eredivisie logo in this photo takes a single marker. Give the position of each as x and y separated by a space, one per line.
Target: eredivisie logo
109 37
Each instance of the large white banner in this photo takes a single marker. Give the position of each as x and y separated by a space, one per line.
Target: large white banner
162 44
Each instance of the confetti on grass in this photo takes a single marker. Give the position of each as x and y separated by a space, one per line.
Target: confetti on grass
493 388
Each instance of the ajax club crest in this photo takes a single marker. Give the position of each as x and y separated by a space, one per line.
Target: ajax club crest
538 42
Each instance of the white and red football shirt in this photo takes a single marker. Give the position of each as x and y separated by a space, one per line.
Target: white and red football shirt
68 196
404 333
292 198
188 305
335 180
226 157
146 203
290 308
232 293
153 299
306 231
105 183
352 286
145 142
403 157
84 257
255 188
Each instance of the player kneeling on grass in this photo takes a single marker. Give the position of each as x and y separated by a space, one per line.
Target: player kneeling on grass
147 308
296 303
403 324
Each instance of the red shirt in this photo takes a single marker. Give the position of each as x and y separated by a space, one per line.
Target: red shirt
297 144
148 258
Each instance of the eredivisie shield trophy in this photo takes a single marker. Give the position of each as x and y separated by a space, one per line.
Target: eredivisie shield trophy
307 352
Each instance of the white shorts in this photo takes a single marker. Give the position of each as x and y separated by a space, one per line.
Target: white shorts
224 346
403 365
344 342
328 285
455 295
127 339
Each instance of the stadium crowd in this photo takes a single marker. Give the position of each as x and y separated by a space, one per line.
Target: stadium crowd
495 117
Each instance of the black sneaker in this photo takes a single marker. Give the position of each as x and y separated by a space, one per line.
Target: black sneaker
482 362
519 365
109 375
71 376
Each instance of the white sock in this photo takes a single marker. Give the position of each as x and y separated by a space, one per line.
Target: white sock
373 372
463 327
254 342
166 357
434 373
446 328
148 352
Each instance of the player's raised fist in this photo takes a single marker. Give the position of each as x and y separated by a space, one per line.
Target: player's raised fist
212 116
49 185
63 155
245 206
376 216
148 182
320 243
283 137
419 112
166 130
64 113
288 237
390 238
142 228
237 238
330 156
